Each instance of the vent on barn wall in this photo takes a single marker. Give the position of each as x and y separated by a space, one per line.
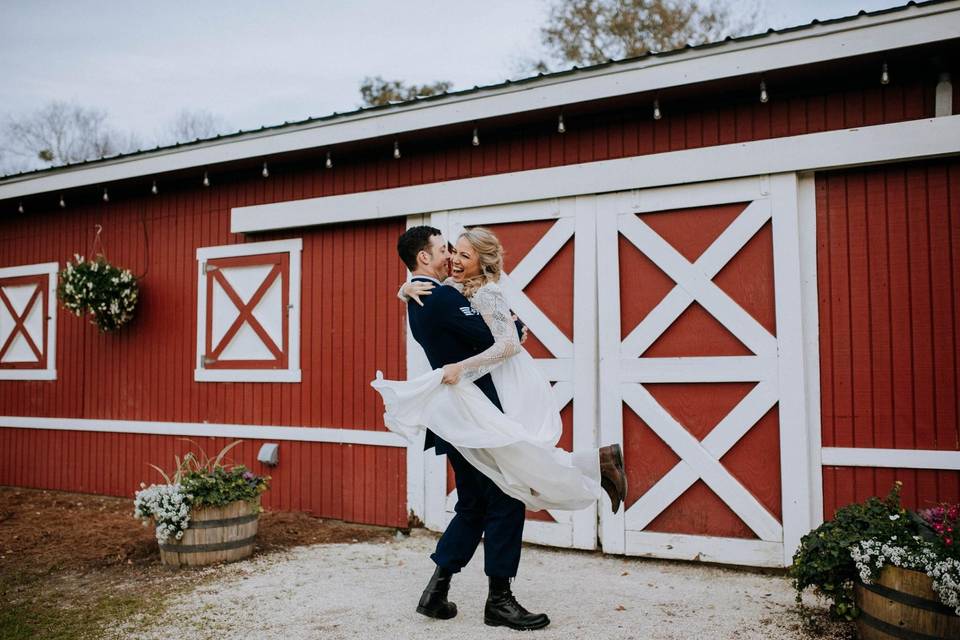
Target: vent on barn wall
249 316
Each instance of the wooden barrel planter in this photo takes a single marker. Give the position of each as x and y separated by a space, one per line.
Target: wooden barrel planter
215 534
902 604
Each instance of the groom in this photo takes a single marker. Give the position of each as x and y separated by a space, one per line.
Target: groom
450 330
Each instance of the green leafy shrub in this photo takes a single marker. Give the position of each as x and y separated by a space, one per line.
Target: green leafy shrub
221 485
823 560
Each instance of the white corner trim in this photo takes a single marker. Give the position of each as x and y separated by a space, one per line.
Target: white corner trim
813 151
49 372
292 246
809 45
895 458
256 432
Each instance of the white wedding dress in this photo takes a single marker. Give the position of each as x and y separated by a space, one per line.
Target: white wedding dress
515 448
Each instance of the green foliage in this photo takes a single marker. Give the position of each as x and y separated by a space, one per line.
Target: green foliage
823 560
95 287
219 486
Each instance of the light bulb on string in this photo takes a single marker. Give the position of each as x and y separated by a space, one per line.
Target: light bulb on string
396 150
764 97
206 179
153 188
885 75
656 110
106 196
63 203
20 207
329 163
561 127
476 137
266 172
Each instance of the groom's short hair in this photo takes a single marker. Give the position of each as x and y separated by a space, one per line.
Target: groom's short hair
413 241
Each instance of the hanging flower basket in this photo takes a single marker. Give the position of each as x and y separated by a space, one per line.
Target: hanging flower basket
95 287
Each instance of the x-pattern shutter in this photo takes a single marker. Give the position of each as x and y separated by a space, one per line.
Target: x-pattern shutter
23 321
247 312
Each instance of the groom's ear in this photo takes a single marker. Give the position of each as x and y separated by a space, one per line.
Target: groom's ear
423 257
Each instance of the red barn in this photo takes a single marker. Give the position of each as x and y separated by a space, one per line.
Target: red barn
741 260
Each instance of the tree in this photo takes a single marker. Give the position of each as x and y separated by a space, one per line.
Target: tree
377 91
189 125
587 32
60 133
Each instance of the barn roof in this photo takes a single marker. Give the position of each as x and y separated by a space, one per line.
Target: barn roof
290 136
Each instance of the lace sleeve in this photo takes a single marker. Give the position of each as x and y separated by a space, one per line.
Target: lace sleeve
495 311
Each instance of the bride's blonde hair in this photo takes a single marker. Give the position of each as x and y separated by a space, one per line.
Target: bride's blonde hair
490 255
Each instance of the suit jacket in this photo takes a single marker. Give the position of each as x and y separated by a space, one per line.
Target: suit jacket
450 330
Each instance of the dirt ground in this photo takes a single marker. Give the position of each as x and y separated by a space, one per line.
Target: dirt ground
71 564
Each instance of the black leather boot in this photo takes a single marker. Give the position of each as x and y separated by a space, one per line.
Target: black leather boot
433 602
503 610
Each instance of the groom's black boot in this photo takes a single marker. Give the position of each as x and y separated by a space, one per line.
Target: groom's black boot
433 602
503 610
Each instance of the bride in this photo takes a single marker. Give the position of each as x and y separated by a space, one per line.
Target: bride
516 449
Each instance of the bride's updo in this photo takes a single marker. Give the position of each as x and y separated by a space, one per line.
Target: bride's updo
490 255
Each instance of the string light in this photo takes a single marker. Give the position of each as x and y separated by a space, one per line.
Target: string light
106 196
266 172
206 179
656 110
885 75
329 163
476 137
63 204
561 128
153 188
396 150
764 97
20 207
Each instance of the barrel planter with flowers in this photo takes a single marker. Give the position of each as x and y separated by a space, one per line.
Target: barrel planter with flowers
206 512
901 603
893 571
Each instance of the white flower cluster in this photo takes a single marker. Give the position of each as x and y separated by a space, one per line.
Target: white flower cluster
108 293
872 555
168 505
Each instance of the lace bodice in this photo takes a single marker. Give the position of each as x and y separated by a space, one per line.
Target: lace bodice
493 308
489 301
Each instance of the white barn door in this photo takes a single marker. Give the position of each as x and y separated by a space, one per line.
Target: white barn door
701 372
550 282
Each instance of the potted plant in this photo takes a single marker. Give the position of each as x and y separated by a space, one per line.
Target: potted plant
96 287
205 512
886 567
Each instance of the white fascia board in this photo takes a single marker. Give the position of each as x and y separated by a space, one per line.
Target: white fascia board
819 43
813 151
260 432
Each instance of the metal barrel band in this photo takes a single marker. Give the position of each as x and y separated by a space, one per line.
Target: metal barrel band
911 600
225 522
215 546
894 630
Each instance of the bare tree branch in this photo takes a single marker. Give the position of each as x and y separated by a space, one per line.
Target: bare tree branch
377 91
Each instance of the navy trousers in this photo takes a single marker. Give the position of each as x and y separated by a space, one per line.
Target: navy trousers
482 510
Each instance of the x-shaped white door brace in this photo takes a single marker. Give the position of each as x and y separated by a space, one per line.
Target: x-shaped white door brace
700 459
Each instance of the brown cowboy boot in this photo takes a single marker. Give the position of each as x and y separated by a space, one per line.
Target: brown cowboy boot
613 478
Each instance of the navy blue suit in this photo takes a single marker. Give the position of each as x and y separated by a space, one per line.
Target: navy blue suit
450 330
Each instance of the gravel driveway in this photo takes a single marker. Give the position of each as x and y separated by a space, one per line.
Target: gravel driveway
370 590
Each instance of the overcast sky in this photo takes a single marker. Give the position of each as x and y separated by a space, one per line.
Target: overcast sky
260 63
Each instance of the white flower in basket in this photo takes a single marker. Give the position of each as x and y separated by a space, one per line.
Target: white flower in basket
95 287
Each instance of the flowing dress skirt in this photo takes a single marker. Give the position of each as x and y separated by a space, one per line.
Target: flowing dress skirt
515 448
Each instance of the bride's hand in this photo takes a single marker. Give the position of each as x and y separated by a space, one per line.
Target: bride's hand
452 373
415 289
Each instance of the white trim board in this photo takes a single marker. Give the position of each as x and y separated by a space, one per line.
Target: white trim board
891 458
808 45
813 151
249 431
49 372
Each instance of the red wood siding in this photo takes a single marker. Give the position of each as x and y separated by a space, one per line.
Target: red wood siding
327 480
888 260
